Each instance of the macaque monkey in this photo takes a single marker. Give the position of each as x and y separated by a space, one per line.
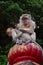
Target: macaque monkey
26 24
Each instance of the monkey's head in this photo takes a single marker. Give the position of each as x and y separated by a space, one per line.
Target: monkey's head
25 18
9 31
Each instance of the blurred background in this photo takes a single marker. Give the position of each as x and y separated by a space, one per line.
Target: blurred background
10 11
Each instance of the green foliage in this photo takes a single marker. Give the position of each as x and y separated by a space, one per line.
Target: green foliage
22 6
4 54
3 60
40 41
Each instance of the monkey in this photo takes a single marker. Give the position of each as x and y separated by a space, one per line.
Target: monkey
26 24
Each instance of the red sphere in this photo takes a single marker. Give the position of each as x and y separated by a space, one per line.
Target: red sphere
22 52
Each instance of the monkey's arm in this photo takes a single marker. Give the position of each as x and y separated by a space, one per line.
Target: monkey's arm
18 32
28 30
15 34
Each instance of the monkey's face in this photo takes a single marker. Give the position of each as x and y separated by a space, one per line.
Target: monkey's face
9 32
25 19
